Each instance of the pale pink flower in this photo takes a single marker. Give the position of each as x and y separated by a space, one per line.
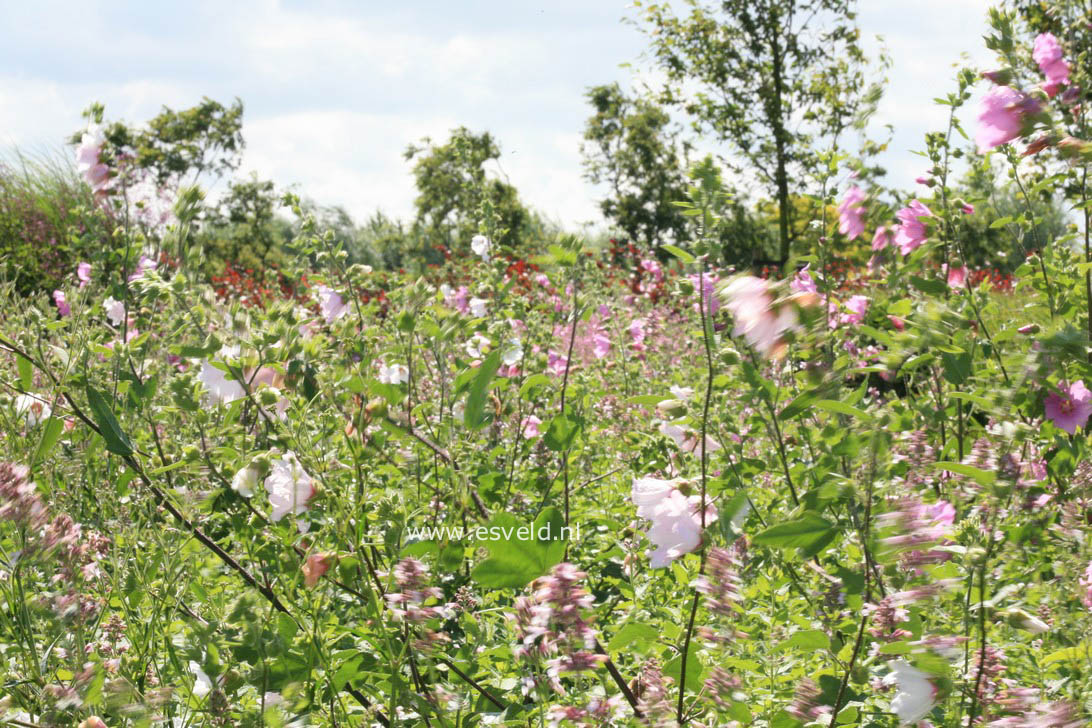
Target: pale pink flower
802 282
478 307
1002 117
62 305
530 427
857 307
882 238
756 319
393 374
83 273
897 322
1086 582
687 439
638 333
88 161
1048 54
706 285
850 211
289 486
144 266
916 695
218 388
957 277
911 232
332 305
35 409
115 311
314 567
1069 407
676 520
968 209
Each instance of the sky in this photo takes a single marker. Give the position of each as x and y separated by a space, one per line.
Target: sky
334 91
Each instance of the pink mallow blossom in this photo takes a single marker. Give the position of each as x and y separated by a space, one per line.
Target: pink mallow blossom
1086 582
1048 54
289 486
1069 407
911 232
763 325
530 427
62 305
957 277
88 161
850 212
882 238
1002 117
83 273
331 303
676 519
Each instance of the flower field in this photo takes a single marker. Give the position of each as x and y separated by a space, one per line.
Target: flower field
570 483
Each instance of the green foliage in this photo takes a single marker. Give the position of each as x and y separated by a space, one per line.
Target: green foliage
457 199
630 147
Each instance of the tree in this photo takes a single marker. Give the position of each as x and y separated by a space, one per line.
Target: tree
629 145
245 231
455 196
767 77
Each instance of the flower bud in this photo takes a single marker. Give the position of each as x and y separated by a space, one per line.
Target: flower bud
671 409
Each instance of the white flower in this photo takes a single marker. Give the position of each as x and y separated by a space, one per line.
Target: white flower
478 346
245 481
218 388
683 393
289 487
513 354
481 247
478 307
687 439
915 695
458 410
331 304
202 683
36 409
676 522
394 374
115 311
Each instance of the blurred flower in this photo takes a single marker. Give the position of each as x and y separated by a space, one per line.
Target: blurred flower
911 232
333 307
89 162
1001 119
1086 582
513 354
218 388
83 273
290 488
314 567
34 408
916 694
144 265
1069 407
245 481
62 305
115 311
756 319
481 247
393 374
1048 54
687 439
882 238
683 393
676 519
802 282
968 209
93 722
957 277
850 211
478 346
478 307
530 427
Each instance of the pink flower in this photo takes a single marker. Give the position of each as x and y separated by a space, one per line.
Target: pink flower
858 307
289 486
145 265
653 268
802 282
882 238
707 285
88 161
333 307
676 519
530 427
1048 54
968 209
637 331
1086 582
1002 117
911 232
849 213
314 567
756 319
687 439
556 364
62 304
897 322
83 273
957 277
1069 407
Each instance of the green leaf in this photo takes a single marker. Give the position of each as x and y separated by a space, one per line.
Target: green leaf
809 533
1079 652
679 253
641 636
26 373
982 477
560 433
474 417
799 404
931 286
117 441
520 553
53 428
808 639
833 405
673 669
